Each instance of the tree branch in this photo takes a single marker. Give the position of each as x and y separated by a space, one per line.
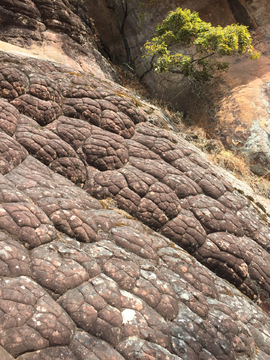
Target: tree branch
205 57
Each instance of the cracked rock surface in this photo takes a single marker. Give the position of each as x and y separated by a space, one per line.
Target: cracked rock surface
117 239
97 208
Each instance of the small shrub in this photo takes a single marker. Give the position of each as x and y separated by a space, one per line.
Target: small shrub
206 44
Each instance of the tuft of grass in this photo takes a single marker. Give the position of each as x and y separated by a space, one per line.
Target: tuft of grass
261 185
240 167
232 162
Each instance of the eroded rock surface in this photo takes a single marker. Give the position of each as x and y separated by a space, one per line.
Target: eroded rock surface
118 240
60 30
94 201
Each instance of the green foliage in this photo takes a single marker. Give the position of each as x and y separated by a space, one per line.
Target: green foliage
207 44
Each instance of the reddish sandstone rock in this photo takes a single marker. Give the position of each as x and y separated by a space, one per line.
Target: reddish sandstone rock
85 182
129 289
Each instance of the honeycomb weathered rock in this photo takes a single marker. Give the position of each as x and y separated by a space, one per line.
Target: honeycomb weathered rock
94 201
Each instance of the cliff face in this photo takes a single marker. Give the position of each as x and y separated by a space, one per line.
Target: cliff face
58 30
132 23
118 239
244 111
242 96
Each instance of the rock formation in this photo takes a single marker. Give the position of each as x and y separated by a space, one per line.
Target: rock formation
243 95
118 239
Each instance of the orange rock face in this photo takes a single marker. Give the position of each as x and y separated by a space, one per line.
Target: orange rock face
244 113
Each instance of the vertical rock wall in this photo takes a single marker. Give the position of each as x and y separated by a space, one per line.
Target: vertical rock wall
242 96
61 30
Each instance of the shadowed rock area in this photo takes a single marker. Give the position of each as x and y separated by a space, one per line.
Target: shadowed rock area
238 113
115 234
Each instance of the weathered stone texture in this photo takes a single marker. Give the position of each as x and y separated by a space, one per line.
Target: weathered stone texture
130 291
114 234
